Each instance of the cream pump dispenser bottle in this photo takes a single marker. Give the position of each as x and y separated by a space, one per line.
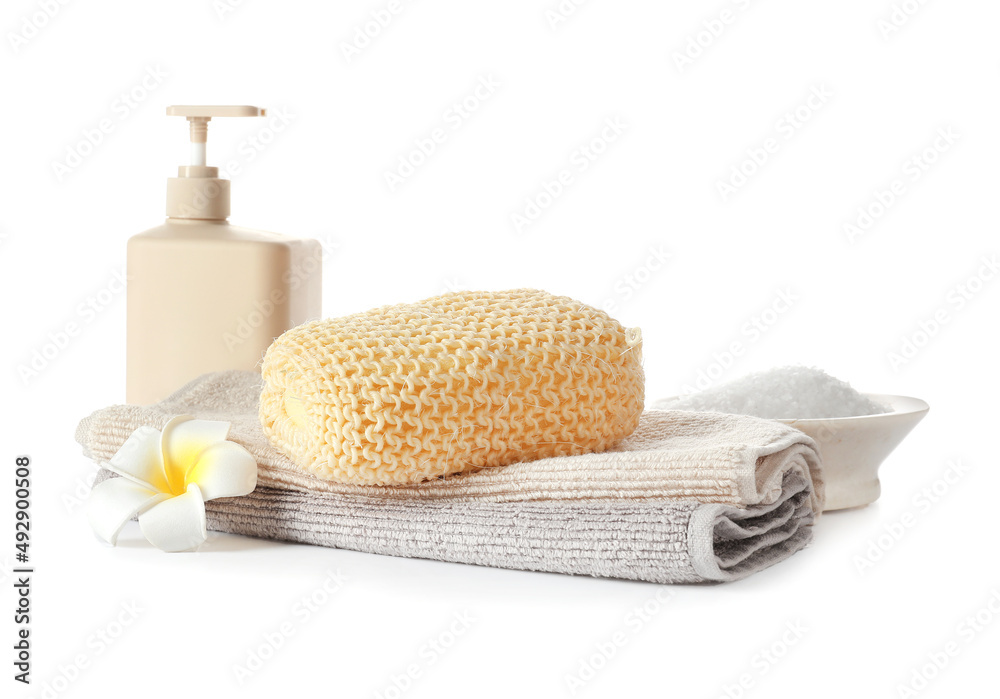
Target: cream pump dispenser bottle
204 295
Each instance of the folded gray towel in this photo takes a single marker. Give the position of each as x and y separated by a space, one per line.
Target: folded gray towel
659 541
631 513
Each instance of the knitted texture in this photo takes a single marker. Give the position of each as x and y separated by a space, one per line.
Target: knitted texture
401 394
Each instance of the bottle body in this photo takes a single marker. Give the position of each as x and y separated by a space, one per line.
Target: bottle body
208 296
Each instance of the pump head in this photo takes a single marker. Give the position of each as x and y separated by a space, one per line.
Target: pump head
198 192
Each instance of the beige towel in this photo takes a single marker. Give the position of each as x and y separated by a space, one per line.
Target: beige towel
707 457
688 497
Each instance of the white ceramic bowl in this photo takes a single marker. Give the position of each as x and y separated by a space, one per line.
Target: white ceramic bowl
854 447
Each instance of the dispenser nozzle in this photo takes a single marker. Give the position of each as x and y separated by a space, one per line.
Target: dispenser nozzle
199 115
198 192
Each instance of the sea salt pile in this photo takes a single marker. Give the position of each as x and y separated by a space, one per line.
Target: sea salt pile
782 393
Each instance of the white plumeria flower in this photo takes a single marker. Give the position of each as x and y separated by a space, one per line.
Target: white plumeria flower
167 477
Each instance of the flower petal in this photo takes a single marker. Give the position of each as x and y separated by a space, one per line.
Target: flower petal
140 460
114 502
184 438
177 524
224 470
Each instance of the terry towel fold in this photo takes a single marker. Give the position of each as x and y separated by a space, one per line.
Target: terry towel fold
688 497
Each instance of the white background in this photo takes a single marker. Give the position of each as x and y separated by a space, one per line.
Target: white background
889 90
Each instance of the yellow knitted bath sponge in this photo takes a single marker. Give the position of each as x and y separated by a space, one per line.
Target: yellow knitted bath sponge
404 393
